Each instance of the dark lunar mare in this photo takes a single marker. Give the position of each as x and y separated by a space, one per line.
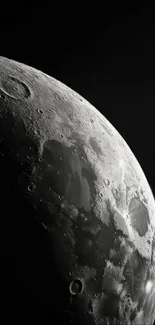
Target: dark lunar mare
30 283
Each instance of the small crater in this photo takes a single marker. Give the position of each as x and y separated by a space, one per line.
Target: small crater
107 182
76 287
115 192
2 96
39 111
30 187
91 120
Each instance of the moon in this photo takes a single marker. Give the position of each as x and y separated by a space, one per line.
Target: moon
79 182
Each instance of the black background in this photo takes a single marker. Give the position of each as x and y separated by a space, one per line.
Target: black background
107 54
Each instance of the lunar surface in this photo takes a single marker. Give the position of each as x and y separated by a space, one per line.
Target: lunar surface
66 169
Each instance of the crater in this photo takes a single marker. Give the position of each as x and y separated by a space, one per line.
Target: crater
15 88
76 287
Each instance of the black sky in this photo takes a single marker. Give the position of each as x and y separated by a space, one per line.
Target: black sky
106 54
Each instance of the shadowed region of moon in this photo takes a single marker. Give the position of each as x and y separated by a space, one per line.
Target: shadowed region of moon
15 88
138 216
